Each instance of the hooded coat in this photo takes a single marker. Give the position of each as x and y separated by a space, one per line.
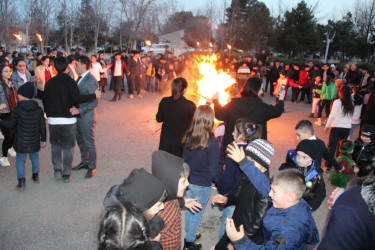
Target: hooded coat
315 194
27 117
168 168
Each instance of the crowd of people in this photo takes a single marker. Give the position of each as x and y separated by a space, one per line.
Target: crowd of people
259 211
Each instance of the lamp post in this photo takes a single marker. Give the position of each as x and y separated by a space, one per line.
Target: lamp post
19 39
148 44
229 48
329 36
40 38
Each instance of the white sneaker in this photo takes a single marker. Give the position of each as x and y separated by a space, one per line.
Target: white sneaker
11 152
139 96
131 96
4 162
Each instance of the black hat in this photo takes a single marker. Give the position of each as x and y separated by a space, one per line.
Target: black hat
260 151
308 147
141 188
27 90
368 130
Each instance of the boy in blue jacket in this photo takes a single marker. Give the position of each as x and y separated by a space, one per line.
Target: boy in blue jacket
288 224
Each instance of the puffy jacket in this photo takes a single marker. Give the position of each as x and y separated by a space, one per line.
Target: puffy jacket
251 207
328 92
315 194
290 228
28 119
362 152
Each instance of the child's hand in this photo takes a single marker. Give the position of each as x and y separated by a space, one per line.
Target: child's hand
193 205
326 130
356 169
157 238
98 93
3 106
235 153
43 144
232 232
219 199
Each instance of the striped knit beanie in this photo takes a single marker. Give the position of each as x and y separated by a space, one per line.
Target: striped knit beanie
260 151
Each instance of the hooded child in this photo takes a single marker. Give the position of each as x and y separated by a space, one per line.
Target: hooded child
28 119
141 189
288 224
303 158
173 172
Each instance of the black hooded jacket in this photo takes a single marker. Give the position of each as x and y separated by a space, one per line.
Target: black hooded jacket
27 117
250 209
362 152
252 108
167 168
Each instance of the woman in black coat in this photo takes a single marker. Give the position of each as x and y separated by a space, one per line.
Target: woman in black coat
175 112
249 106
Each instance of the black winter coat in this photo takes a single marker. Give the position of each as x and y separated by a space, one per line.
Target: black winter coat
315 194
28 119
176 118
252 108
362 153
250 209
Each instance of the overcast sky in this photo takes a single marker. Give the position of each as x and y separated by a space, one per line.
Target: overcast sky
326 9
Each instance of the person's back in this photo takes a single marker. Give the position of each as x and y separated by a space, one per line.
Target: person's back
331 91
29 129
61 93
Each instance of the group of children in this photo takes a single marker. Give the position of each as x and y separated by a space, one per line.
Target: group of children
258 211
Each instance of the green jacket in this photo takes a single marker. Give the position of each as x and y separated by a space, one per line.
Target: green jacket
327 92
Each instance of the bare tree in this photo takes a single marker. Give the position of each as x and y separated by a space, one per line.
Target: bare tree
135 12
7 17
364 17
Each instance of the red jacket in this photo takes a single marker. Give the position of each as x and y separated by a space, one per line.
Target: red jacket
124 67
303 77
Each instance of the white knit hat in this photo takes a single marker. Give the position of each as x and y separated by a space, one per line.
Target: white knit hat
260 151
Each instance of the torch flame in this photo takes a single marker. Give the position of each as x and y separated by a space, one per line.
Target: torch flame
211 45
148 42
212 81
39 36
17 36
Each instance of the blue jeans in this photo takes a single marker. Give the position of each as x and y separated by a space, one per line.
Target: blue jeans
227 213
192 221
20 163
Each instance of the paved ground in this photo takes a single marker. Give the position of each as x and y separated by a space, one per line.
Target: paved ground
55 215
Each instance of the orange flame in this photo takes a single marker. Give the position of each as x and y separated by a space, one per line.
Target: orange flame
212 81
210 44
17 36
39 36
148 42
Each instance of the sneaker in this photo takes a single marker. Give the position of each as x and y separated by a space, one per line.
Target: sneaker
4 162
58 174
139 96
131 96
11 152
66 178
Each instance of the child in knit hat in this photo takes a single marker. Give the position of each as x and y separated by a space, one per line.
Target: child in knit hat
364 146
27 117
250 205
303 158
288 224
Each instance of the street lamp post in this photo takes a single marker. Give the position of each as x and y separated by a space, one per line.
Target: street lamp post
40 38
229 48
329 36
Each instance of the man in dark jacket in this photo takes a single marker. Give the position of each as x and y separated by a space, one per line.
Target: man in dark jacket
275 71
28 119
353 77
135 74
364 146
61 94
251 206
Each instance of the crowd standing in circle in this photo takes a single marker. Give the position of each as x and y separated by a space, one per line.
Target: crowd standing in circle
259 211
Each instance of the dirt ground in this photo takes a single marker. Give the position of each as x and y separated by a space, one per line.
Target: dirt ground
55 215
